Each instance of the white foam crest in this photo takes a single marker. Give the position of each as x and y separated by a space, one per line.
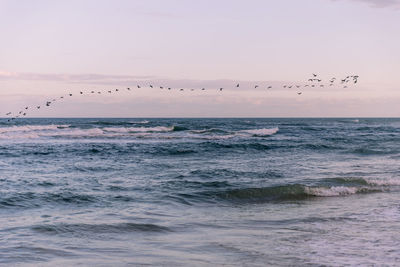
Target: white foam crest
18 135
139 129
383 182
28 128
262 132
74 133
139 122
204 130
330 191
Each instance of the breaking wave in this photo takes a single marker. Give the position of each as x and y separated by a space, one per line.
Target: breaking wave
343 187
262 132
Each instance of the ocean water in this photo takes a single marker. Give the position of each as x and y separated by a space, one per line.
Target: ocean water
200 192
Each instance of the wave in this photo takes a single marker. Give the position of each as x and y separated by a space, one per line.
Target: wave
38 131
139 129
85 229
140 122
337 187
262 132
30 128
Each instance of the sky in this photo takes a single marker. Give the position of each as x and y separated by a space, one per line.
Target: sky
50 48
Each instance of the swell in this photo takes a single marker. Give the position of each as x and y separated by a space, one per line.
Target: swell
85 229
335 187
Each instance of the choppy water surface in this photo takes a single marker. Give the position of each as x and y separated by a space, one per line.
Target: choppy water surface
194 192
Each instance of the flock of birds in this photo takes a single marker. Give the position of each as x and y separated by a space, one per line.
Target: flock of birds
314 81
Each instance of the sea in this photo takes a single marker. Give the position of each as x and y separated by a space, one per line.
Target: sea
200 192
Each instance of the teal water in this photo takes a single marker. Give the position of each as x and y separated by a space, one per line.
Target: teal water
200 192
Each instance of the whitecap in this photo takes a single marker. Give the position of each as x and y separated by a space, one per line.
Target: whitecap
331 191
262 132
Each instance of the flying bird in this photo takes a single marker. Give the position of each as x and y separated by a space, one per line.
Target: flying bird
315 75
256 86
237 85
299 93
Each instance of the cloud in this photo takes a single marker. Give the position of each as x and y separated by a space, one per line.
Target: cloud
380 3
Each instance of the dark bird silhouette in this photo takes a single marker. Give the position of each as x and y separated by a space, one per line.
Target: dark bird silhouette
290 86
202 89
26 107
161 87
220 89
169 88
256 86
237 85
38 107
299 93
269 87
61 97
92 92
128 89
81 93
181 89
138 86
151 86
315 75
116 90
284 86
109 92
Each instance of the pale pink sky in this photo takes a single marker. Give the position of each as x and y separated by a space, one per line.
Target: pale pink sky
50 48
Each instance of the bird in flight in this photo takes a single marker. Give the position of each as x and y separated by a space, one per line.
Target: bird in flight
237 85
299 93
